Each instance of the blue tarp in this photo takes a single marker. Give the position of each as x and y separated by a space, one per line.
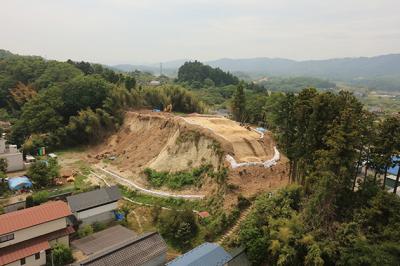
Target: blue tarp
395 169
119 216
17 183
261 129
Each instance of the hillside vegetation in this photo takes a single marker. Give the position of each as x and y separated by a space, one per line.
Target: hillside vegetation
197 74
55 104
334 215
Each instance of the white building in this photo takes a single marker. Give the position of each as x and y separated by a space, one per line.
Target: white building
13 156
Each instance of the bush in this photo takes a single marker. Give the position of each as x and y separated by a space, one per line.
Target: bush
177 180
43 173
178 228
62 255
97 226
85 231
29 201
40 197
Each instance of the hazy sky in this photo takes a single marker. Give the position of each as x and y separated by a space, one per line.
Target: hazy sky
138 31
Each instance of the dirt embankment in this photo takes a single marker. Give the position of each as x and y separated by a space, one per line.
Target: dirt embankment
160 141
166 142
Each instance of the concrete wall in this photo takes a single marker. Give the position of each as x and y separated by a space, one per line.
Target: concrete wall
14 207
31 261
95 211
2 145
36 231
15 161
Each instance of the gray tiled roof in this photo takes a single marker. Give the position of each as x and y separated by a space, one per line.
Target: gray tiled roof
210 254
93 198
134 251
103 239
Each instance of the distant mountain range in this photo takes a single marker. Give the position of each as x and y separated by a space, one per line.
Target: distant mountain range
382 72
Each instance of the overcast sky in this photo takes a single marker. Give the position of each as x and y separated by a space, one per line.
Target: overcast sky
139 31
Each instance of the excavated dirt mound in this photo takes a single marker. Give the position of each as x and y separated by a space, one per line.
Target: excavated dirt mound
246 144
159 141
166 142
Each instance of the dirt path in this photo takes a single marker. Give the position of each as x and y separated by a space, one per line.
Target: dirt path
243 216
124 181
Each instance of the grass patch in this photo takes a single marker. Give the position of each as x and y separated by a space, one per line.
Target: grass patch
71 149
179 179
172 203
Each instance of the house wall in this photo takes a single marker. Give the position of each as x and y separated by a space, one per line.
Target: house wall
31 261
104 217
15 161
35 231
95 211
61 240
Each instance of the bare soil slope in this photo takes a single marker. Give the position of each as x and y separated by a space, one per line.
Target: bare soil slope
166 142
246 144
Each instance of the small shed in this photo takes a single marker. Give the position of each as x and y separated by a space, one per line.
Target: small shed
17 183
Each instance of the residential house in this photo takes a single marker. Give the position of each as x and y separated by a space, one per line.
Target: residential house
95 206
211 254
147 250
27 235
15 161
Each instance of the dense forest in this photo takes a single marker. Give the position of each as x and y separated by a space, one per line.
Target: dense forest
197 75
54 104
295 83
333 214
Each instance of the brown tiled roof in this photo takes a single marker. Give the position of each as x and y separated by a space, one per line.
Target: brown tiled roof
135 251
32 246
13 221
22 250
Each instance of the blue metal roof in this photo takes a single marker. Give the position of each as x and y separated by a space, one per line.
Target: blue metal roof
207 254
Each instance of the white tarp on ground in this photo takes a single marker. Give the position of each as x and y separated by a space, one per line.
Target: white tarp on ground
266 164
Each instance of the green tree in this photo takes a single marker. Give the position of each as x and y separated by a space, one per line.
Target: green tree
43 173
61 255
239 103
178 227
84 92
